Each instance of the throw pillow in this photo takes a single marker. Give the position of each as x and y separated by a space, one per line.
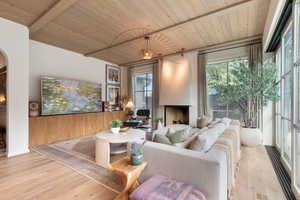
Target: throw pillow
204 142
213 123
161 187
226 121
159 138
177 137
203 121
178 127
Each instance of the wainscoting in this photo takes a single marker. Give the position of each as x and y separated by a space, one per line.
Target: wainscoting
49 129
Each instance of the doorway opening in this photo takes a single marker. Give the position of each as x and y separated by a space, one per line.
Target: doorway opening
3 105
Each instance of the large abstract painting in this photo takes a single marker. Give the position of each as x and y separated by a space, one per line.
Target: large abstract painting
63 96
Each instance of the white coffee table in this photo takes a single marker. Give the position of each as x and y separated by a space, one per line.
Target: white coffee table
105 138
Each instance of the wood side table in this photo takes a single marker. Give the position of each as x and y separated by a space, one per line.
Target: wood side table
129 174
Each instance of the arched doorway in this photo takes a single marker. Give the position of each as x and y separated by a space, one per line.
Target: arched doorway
3 104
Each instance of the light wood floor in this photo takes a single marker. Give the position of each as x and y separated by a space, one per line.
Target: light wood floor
256 178
35 177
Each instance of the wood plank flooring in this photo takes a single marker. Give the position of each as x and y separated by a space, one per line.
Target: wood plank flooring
38 177
35 177
256 179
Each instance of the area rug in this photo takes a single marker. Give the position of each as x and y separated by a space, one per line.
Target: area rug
79 154
82 146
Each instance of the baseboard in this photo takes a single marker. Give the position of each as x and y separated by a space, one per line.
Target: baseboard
12 154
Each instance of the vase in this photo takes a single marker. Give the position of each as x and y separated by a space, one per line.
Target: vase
251 137
137 159
115 130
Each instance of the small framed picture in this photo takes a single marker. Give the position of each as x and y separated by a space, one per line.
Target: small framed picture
113 75
113 94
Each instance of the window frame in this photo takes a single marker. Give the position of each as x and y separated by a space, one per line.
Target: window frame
278 105
295 96
144 91
288 165
227 61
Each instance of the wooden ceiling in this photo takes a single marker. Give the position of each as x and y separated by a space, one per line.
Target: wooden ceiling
113 30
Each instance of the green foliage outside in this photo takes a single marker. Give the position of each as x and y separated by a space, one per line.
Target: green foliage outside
240 85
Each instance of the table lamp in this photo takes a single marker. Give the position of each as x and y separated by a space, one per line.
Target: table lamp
130 106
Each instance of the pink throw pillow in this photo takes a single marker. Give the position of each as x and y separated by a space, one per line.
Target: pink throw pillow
164 188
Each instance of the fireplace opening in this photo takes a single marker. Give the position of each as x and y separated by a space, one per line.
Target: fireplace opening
176 115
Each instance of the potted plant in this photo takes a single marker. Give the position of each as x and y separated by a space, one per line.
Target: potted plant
250 89
115 126
137 156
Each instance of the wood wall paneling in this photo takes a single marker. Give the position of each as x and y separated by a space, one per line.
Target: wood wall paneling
49 129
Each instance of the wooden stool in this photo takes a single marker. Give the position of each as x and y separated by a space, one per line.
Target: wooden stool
129 174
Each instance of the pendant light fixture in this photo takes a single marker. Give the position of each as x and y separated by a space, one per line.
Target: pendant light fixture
147 54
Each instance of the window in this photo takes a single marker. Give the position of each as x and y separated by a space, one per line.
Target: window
296 105
288 110
222 72
277 114
286 94
142 91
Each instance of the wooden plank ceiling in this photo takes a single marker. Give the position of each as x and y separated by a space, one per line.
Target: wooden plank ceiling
113 30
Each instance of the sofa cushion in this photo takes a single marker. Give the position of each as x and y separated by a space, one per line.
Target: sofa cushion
218 128
164 188
163 139
178 136
226 121
194 132
204 142
213 123
162 131
178 127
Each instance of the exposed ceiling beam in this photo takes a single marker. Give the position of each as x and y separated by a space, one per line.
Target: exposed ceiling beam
51 14
211 13
206 49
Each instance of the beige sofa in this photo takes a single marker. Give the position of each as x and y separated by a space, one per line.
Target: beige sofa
213 171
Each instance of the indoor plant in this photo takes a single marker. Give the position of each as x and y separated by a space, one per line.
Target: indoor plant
137 156
249 86
115 126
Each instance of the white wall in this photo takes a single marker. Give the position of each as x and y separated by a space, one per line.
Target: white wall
179 83
175 81
192 58
14 43
47 60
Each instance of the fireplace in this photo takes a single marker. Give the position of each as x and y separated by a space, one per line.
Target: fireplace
176 115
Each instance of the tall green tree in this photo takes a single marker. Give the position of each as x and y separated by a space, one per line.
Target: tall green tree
245 87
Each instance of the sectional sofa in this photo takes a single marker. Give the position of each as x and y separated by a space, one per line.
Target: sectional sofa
212 170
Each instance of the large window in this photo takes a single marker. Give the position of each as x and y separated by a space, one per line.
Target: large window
288 110
142 91
278 104
296 105
222 72
286 94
